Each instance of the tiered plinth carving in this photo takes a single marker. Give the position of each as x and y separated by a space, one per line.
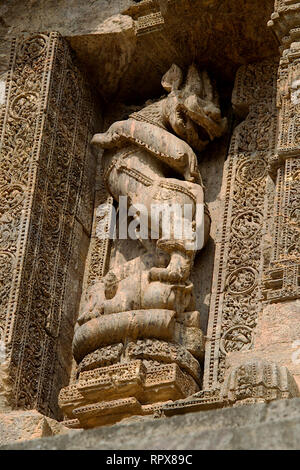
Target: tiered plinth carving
124 389
123 371
131 362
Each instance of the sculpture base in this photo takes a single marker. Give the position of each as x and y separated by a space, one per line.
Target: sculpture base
109 394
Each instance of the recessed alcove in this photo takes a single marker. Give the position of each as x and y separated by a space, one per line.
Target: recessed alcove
125 63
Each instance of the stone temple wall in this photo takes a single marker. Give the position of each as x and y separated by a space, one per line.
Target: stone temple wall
69 70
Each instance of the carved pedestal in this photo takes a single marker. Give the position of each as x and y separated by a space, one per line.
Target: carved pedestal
125 390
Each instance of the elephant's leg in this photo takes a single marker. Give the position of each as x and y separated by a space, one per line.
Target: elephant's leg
183 244
141 181
181 258
177 271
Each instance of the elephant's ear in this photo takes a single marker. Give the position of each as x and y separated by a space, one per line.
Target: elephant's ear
172 79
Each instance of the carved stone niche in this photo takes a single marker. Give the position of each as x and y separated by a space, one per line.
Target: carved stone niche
138 341
242 365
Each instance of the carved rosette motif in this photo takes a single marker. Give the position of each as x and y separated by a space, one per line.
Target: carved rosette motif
45 130
236 287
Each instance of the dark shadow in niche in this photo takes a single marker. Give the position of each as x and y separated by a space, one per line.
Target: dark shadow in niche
211 165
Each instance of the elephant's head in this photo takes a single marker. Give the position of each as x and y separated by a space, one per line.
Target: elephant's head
192 107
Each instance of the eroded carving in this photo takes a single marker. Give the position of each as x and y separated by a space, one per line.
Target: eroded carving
236 299
258 380
253 381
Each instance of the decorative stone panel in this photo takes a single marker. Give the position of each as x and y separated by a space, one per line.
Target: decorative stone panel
236 292
46 203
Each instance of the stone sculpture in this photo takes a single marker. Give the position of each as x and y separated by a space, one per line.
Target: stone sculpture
142 150
138 338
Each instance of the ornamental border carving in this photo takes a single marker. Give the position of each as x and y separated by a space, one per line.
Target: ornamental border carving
46 127
248 191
